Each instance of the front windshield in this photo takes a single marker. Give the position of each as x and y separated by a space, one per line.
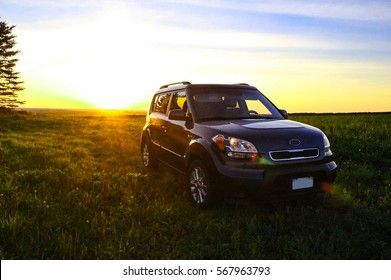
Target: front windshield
231 103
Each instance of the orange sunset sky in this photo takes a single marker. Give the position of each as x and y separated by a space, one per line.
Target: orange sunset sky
306 56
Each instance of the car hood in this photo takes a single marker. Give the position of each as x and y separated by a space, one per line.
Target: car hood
270 135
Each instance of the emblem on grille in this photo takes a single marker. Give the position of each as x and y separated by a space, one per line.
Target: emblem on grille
294 142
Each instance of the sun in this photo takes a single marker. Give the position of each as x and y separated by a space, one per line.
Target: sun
110 94
113 103
108 99
114 83
122 89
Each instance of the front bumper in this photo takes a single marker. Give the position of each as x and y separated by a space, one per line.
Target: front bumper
274 181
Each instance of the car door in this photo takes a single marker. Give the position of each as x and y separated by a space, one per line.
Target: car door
176 138
157 122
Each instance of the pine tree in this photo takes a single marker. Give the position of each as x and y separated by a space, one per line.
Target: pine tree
10 83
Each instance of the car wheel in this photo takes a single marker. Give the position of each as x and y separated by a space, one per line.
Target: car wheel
148 160
199 185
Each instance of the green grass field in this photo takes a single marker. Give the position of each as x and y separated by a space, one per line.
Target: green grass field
72 186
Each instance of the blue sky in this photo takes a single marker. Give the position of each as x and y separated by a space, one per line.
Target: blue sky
318 56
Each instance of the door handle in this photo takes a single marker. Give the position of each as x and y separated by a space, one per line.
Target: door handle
164 128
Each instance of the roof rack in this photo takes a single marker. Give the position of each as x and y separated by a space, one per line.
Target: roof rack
178 83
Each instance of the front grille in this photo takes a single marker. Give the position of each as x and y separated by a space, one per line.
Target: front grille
294 154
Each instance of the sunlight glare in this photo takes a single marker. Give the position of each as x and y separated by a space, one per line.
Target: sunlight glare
98 59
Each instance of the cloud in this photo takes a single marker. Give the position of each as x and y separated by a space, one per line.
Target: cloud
347 10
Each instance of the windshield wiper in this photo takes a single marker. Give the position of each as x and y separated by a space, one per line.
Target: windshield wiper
268 117
258 117
215 119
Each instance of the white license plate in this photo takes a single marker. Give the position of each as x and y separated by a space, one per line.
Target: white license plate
302 183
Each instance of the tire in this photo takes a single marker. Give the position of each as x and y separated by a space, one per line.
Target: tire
147 157
199 185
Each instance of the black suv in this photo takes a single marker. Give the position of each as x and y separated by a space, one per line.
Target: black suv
231 140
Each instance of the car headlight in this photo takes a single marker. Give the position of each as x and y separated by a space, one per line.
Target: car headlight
235 148
326 143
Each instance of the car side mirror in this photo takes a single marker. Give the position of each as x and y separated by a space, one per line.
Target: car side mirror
284 113
177 115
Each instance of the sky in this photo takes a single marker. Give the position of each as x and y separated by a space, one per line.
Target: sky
306 56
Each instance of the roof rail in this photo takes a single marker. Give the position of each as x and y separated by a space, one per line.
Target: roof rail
178 83
242 84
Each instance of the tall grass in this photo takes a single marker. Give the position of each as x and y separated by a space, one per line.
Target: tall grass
72 187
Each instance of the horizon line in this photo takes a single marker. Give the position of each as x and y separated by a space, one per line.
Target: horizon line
146 110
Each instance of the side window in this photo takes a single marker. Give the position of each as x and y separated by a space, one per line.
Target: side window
161 103
178 100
